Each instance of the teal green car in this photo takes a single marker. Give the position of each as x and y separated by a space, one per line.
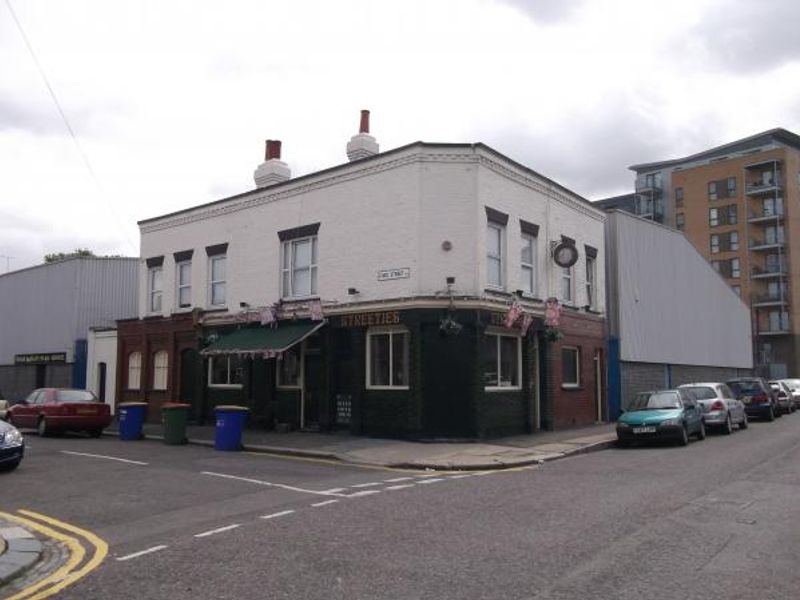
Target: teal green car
661 415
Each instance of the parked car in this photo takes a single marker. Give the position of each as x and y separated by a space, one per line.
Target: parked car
785 399
662 414
3 409
757 396
720 407
12 447
52 409
794 386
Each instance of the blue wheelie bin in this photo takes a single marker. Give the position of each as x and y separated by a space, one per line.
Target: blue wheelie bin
131 419
230 424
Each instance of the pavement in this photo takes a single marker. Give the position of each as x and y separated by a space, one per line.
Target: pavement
20 549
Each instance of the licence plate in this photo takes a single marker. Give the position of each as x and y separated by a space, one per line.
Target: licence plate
644 430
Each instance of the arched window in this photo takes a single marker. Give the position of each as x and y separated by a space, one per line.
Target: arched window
134 370
160 368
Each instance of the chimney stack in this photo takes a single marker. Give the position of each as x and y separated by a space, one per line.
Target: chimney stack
273 170
363 144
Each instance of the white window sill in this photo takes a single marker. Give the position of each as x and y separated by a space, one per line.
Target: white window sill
570 386
509 388
398 388
226 386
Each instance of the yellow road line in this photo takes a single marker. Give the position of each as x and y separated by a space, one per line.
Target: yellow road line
101 551
76 555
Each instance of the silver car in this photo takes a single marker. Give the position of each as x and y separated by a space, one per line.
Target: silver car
720 407
785 398
794 387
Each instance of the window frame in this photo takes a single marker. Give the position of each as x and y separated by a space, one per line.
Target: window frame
279 383
532 275
713 217
501 229
288 248
498 334
713 190
134 368
736 268
160 371
732 214
680 221
678 197
154 293
183 286
714 243
214 282
391 332
209 379
733 242
567 276
730 189
576 384
591 281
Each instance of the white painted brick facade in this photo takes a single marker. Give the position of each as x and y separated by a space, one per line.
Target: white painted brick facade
391 211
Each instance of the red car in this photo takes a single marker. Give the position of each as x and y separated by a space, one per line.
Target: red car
51 409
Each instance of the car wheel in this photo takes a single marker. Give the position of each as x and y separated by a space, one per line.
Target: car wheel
771 414
744 424
727 429
96 432
684 439
41 427
701 433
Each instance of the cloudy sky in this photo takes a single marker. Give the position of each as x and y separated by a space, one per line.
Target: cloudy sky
167 104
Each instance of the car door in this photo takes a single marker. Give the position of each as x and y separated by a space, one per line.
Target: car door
23 413
735 407
692 412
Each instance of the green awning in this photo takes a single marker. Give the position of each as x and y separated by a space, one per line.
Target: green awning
263 340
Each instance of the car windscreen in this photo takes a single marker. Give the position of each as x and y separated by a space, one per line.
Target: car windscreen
745 388
75 396
702 392
656 400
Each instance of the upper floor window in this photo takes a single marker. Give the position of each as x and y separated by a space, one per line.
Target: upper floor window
680 221
735 272
714 244
566 284
299 267
737 289
713 190
732 215
679 197
713 217
217 280
134 370
733 240
591 276
494 254
183 280
154 288
160 370
730 184
528 263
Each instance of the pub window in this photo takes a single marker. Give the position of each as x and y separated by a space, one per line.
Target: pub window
225 371
713 192
160 370
570 367
502 361
134 370
290 368
387 358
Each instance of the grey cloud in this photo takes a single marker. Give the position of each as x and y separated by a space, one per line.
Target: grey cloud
86 121
546 11
746 36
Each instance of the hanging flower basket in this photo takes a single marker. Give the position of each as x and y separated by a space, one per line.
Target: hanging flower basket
552 334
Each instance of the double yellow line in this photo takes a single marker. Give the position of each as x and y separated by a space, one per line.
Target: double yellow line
72 570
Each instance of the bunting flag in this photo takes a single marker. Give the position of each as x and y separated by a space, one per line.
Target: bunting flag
514 313
527 321
552 312
316 310
268 316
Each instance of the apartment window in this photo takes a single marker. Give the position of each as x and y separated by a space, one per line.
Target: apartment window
502 361
570 367
299 272
160 370
716 265
528 263
715 244
217 280
680 221
713 217
387 359
774 235
183 280
494 254
225 371
735 268
730 185
290 368
737 289
566 284
154 288
713 191
778 320
134 370
773 207
732 216
591 276
679 197
733 240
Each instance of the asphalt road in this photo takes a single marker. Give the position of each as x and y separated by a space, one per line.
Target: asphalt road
717 519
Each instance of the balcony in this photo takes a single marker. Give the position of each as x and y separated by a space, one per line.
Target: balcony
773 332
765 216
765 244
765 300
760 187
767 272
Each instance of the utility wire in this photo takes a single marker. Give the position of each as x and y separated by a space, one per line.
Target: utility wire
66 122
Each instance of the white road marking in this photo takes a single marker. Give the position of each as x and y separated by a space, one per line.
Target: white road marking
434 480
400 487
276 515
363 485
324 503
398 479
220 530
124 460
142 553
460 476
334 490
364 493
270 484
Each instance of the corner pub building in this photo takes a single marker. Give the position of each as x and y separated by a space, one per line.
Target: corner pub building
399 294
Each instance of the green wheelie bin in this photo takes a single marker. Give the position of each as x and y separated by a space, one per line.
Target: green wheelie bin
174 416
